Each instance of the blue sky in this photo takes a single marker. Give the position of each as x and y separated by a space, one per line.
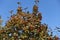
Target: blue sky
50 10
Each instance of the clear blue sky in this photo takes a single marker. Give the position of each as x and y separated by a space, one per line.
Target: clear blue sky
50 10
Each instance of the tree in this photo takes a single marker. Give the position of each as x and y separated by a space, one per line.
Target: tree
26 26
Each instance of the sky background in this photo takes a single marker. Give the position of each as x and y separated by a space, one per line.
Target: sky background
50 10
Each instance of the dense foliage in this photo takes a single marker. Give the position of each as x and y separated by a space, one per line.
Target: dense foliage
26 26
